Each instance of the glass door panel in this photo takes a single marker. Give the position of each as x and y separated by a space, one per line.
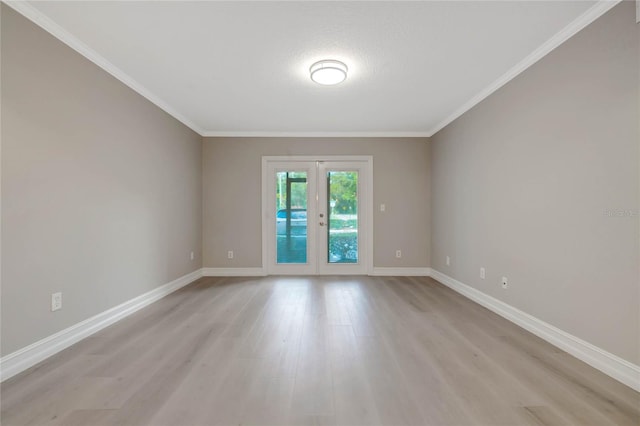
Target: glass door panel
291 189
342 208
340 201
314 214
291 216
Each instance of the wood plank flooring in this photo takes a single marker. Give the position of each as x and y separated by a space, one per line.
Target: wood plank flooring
315 351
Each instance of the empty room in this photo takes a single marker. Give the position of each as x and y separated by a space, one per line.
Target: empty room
320 213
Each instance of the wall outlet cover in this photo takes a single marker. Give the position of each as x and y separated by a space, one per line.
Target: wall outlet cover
56 301
505 283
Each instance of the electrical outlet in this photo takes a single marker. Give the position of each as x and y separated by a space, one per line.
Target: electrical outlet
230 254
505 283
56 301
192 256
398 254
448 261
482 273
382 207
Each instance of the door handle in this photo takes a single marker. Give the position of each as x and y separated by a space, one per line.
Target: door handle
321 223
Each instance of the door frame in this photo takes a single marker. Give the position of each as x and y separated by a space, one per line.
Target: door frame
367 191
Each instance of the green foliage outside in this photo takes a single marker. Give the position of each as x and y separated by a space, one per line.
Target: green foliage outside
298 190
337 223
343 192
343 189
343 248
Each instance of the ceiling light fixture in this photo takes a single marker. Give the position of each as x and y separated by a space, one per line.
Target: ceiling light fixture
328 72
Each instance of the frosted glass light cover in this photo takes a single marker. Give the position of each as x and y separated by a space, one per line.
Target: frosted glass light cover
328 72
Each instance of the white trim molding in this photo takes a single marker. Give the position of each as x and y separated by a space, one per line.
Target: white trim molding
291 134
313 165
261 272
27 357
610 364
47 24
593 13
233 272
40 19
401 272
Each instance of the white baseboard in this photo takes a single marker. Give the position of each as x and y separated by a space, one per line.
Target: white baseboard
22 359
233 272
261 272
610 364
401 272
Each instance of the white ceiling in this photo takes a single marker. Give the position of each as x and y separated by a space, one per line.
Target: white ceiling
241 68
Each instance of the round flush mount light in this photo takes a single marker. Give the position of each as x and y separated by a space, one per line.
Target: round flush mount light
328 72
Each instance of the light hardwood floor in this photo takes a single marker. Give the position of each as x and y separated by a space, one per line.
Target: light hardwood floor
314 351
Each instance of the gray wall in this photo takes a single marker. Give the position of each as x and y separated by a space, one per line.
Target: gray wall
101 190
522 184
232 195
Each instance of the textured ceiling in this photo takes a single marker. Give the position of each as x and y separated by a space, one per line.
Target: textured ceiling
241 68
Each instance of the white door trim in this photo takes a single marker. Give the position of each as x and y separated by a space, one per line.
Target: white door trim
268 222
367 251
360 268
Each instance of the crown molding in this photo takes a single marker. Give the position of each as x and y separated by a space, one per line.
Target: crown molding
593 13
269 134
44 22
37 17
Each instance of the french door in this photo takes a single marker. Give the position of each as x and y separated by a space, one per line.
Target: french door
316 215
